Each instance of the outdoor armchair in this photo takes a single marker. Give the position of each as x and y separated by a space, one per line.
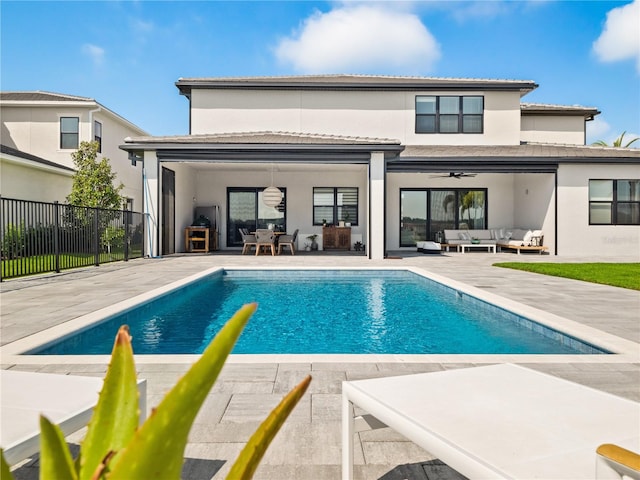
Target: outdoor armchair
265 239
248 240
288 240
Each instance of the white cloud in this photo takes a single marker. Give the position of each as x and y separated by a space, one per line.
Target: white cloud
360 38
620 38
480 9
598 129
94 52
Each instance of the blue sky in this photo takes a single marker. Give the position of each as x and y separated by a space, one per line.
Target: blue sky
128 55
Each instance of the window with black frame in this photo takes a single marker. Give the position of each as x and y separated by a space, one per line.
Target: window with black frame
614 202
246 209
449 114
97 134
334 204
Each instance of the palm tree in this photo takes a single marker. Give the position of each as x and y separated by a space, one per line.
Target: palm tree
616 143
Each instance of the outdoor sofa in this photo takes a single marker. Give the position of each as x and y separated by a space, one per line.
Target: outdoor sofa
515 238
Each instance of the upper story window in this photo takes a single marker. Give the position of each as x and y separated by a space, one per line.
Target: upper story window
333 204
97 134
614 202
69 132
449 114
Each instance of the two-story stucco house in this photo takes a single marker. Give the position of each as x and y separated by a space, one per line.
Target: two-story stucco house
40 131
398 157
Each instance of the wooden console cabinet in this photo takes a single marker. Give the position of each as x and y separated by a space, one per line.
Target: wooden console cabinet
336 238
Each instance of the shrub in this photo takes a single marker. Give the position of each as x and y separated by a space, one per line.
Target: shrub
13 241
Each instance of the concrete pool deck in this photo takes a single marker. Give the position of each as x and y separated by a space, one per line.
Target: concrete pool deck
308 446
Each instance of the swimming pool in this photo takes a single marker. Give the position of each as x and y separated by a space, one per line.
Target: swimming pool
324 312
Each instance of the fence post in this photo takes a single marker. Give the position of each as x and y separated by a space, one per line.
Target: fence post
56 235
96 239
127 232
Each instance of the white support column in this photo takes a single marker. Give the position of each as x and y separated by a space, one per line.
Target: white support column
376 205
151 185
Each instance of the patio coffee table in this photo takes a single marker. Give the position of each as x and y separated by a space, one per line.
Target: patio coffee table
488 246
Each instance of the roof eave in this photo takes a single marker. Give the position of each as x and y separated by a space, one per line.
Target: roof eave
186 86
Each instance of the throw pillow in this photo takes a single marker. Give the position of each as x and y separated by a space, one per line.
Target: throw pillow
464 236
508 235
527 236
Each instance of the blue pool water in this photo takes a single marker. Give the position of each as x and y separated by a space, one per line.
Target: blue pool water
336 311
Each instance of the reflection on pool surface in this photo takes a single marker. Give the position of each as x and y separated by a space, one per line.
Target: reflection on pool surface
324 311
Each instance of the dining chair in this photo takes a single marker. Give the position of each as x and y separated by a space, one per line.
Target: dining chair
248 240
288 240
265 239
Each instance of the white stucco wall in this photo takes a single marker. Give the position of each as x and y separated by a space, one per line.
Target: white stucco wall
562 130
25 182
186 192
209 186
575 236
36 130
368 114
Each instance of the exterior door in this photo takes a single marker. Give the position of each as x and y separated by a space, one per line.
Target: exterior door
168 211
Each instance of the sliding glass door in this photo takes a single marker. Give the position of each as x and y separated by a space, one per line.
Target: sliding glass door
426 212
413 216
245 209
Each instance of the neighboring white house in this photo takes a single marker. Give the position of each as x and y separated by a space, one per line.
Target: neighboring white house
40 131
402 156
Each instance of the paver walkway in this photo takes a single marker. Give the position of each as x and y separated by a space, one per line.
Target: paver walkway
308 446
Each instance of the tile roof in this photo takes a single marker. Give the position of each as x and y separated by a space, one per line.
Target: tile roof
39 96
525 150
267 137
547 108
347 81
27 156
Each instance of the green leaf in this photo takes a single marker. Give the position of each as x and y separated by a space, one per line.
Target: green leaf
254 450
55 459
5 471
157 449
116 416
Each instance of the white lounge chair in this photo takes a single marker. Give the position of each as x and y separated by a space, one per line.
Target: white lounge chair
66 400
499 421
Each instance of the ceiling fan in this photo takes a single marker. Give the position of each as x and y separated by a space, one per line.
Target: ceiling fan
454 175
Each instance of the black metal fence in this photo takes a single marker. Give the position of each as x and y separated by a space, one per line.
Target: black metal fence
38 237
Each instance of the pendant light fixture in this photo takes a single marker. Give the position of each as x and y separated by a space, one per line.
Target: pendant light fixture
271 196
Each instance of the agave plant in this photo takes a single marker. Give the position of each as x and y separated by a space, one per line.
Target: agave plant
115 448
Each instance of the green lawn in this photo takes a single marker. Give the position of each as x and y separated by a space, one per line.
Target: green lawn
23 266
624 275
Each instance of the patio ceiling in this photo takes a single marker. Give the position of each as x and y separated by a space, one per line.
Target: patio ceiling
266 167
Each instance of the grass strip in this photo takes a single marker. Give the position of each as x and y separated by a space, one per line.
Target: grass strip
623 275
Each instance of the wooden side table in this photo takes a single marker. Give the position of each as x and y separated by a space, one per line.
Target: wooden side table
196 243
